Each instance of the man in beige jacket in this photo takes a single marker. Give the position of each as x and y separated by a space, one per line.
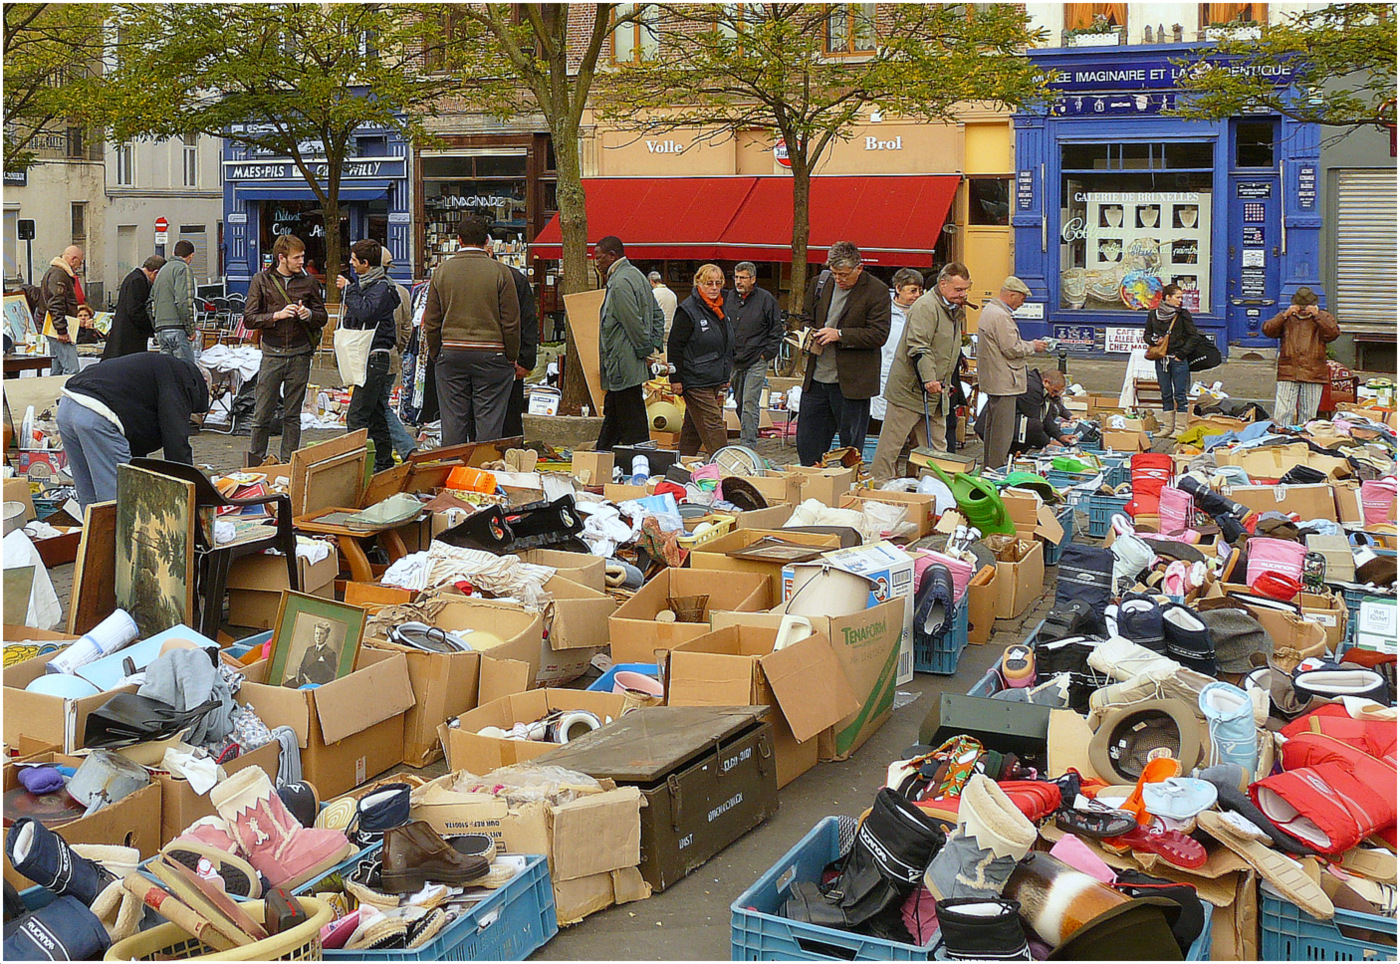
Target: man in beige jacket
1001 371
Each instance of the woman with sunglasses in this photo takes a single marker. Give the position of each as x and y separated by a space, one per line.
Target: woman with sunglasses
699 349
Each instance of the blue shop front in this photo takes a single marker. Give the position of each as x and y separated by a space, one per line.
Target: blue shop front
1114 199
266 196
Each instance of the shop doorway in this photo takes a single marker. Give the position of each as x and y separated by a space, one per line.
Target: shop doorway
1255 242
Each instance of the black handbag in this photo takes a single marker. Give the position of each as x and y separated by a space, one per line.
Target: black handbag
1203 355
129 718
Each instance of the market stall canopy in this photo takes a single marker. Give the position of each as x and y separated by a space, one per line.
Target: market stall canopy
893 219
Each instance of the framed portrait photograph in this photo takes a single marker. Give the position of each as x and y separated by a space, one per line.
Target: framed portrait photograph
316 640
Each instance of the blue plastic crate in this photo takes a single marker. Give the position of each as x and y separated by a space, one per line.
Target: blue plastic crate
758 933
988 686
942 656
1289 933
1066 521
604 683
1117 470
867 450
1059 478
1101 508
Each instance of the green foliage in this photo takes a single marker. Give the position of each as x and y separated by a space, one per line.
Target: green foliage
51 55
1344 61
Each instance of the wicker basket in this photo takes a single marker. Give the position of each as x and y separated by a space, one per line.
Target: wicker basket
169 942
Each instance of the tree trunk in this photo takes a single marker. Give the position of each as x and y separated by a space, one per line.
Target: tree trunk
573 225
801 230
331 211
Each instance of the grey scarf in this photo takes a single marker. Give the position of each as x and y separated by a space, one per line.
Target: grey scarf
371 275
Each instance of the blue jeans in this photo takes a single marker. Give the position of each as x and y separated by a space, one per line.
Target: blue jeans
174 341
1174 378
748 384
65 357
403 441
95 448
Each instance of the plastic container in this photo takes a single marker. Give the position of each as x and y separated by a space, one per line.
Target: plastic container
1101 508
604 683
942 656
1289 933
758 933
169 942
469 479
1066 521
719 528
1200 947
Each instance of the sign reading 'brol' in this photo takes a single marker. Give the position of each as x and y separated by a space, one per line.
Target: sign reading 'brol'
875 144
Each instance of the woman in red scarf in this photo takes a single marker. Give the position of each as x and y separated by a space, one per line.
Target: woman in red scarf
700 348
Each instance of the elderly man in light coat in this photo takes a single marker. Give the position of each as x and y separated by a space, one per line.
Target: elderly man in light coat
920 382
1001 370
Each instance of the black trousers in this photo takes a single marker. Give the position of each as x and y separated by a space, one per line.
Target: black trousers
515 411
369 410
473 388
624 419
824 414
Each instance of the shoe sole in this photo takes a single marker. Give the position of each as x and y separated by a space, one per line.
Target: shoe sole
1286 875
240 877
410 881
1377 865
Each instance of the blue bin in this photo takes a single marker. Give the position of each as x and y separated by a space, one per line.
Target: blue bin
942 656
1200 947
1101 508
758 933
604 683
1066 521
1289 933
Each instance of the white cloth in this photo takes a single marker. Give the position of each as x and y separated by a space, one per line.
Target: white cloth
1138 367
410 572
45 611
244 359
224 532
201 772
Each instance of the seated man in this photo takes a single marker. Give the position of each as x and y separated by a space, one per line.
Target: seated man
1039 414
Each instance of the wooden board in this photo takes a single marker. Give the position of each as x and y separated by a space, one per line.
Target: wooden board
470 453
95 570
155 549
582 310
331 473
384 484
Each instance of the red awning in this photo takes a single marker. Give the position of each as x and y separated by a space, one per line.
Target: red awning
893 219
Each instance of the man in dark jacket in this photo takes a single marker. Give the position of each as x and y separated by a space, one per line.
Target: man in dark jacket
850 311
132 328
285 305
529 347
631 326
123 408
60 294
756 325
1039 410
370 301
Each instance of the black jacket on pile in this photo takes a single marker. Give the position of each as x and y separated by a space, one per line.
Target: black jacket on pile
699 345
154 395
756 326
372 305
1034 410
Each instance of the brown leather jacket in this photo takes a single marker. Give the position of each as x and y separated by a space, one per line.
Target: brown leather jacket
864 327
285 336
1302 344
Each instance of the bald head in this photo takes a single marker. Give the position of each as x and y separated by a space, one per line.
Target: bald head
73 255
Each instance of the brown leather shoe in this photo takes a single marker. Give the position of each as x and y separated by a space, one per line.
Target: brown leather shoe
415 855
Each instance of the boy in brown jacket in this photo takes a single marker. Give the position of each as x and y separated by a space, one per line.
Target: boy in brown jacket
1303 331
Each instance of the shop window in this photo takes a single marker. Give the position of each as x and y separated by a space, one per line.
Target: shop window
1222 14
636 40
989 200
1081 16
1254 143
1133 218
850 29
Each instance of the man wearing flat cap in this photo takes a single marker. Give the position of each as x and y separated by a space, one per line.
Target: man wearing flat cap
1001 369
1303 331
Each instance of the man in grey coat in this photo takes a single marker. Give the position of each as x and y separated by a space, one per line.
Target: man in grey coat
171 304
1001 369
631 328
920 384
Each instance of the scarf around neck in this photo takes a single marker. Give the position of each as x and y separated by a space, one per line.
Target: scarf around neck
716 304
372 274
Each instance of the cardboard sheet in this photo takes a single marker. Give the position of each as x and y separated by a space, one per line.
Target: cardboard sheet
581 309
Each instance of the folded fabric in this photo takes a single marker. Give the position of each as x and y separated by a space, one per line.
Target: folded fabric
202 773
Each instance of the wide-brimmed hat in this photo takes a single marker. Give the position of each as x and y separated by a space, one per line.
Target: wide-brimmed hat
1304 296
1126 739
1236 633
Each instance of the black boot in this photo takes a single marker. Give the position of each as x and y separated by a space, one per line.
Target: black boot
976 929
45 858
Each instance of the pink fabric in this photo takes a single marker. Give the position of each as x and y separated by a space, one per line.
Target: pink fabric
960 571
1176 509
920 915
1378 501
1277 555
1077 854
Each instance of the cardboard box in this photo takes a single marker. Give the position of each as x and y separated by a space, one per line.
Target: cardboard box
255 585
578 617
773 517
349 729
180 806
579 567
49 719
736 666
634 631
1288 630
593 843
1330 612
373 597
891 570
1275 460
521 633
1217 424
713 555
983 593
920 509
1309 501
1347 496
788 488
466 749
597 465
623 492
1032 517
731 420
867 646
1377 618
1126 440
827 486
1020 582
1341 564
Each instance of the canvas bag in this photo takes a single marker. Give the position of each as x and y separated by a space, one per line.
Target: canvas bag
352 354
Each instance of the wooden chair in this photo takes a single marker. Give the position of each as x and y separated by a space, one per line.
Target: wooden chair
215 561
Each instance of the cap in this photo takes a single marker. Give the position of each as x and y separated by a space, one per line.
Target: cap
1013 283
1304 296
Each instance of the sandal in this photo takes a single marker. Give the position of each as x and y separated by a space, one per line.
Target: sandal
1172 846
1097 824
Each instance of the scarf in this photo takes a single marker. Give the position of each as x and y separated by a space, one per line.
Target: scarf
371 275
1164 313
716 304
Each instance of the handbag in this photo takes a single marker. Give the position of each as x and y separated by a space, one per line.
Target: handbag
129 718
1204 355
352 354
1159 351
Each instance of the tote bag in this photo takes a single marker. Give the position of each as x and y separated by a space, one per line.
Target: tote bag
352 354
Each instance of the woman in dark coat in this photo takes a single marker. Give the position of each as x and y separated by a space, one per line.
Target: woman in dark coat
131 324
1171 321
700 348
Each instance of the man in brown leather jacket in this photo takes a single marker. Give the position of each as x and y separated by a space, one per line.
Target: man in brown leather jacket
1303 331
285 305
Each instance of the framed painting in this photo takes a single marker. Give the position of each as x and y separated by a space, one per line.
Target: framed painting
315 640
18 320
155 549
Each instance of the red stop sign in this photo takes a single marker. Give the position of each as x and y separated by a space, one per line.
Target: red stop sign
162 224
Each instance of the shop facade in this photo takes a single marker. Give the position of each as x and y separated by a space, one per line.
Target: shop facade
266 197
1114 198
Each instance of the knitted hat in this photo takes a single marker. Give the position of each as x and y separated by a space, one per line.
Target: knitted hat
1237 636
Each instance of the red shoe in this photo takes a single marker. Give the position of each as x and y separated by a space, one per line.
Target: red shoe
1173 846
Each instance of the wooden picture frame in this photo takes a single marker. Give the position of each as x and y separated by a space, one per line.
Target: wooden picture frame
330 474
95 569
19 320
306 624
155 549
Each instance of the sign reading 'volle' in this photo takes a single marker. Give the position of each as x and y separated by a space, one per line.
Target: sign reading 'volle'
664 147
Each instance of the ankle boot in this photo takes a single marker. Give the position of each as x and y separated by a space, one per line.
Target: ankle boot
978 858
978 929
1168 426
414 854
378 811
279 847
45 858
